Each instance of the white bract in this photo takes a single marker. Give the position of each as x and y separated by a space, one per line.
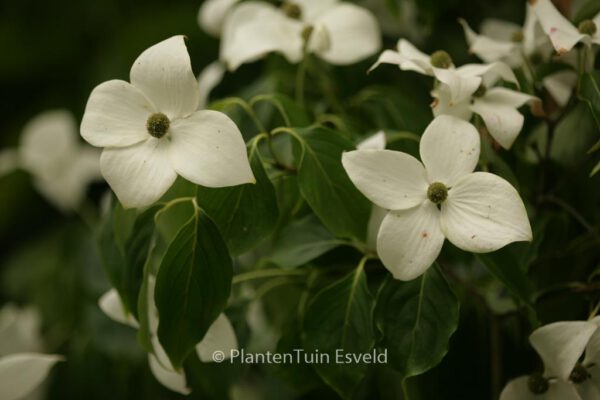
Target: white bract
151 130
212 14
560 345
61 167
562 33
479 212
498 107
338 32
219 337
22 367
462 82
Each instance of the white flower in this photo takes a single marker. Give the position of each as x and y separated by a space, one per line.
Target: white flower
480 212
219 337
560 346
562 33
61 167
496 106
506 41
499 41
212 14
151 130
462 82
338 32
208 79
22 367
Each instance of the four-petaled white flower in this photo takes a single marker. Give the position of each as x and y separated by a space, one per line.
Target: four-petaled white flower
498 107
61 167
22 367
510 43
560 346
151 130
562 33
219 337
462 82
338 32
480 212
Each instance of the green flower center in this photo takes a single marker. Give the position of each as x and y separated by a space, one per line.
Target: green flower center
441 59
579 374
537 383
517 36
158 125
588 27
292 10
437 192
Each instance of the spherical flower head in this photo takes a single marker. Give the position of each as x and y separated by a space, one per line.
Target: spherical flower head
292 10
441 59
437 192
152 130
537 384
158 125
517 36
587 27
579 374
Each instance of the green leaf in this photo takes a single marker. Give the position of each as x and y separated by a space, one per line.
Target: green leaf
245 214
124 248
341 317
302 241
192 286
325 185
290 111
417 319
589 91
573 136
505 266
587 11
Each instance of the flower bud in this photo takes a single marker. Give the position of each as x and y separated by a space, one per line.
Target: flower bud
158 125
588 27
441 59
437 192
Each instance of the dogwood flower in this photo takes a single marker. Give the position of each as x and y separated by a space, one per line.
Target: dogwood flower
498 107
560 346
462 82
151 130
338 32
208 79
61 167
22 367
562 33
479 212
508 42
219 337
212 14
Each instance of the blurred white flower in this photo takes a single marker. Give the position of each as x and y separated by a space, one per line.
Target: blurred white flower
212 14
219 337
560 346
498 107
562 33
22 367
510 43
9 161
462 82
208 79
338 32
151 130
61 167
479 212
